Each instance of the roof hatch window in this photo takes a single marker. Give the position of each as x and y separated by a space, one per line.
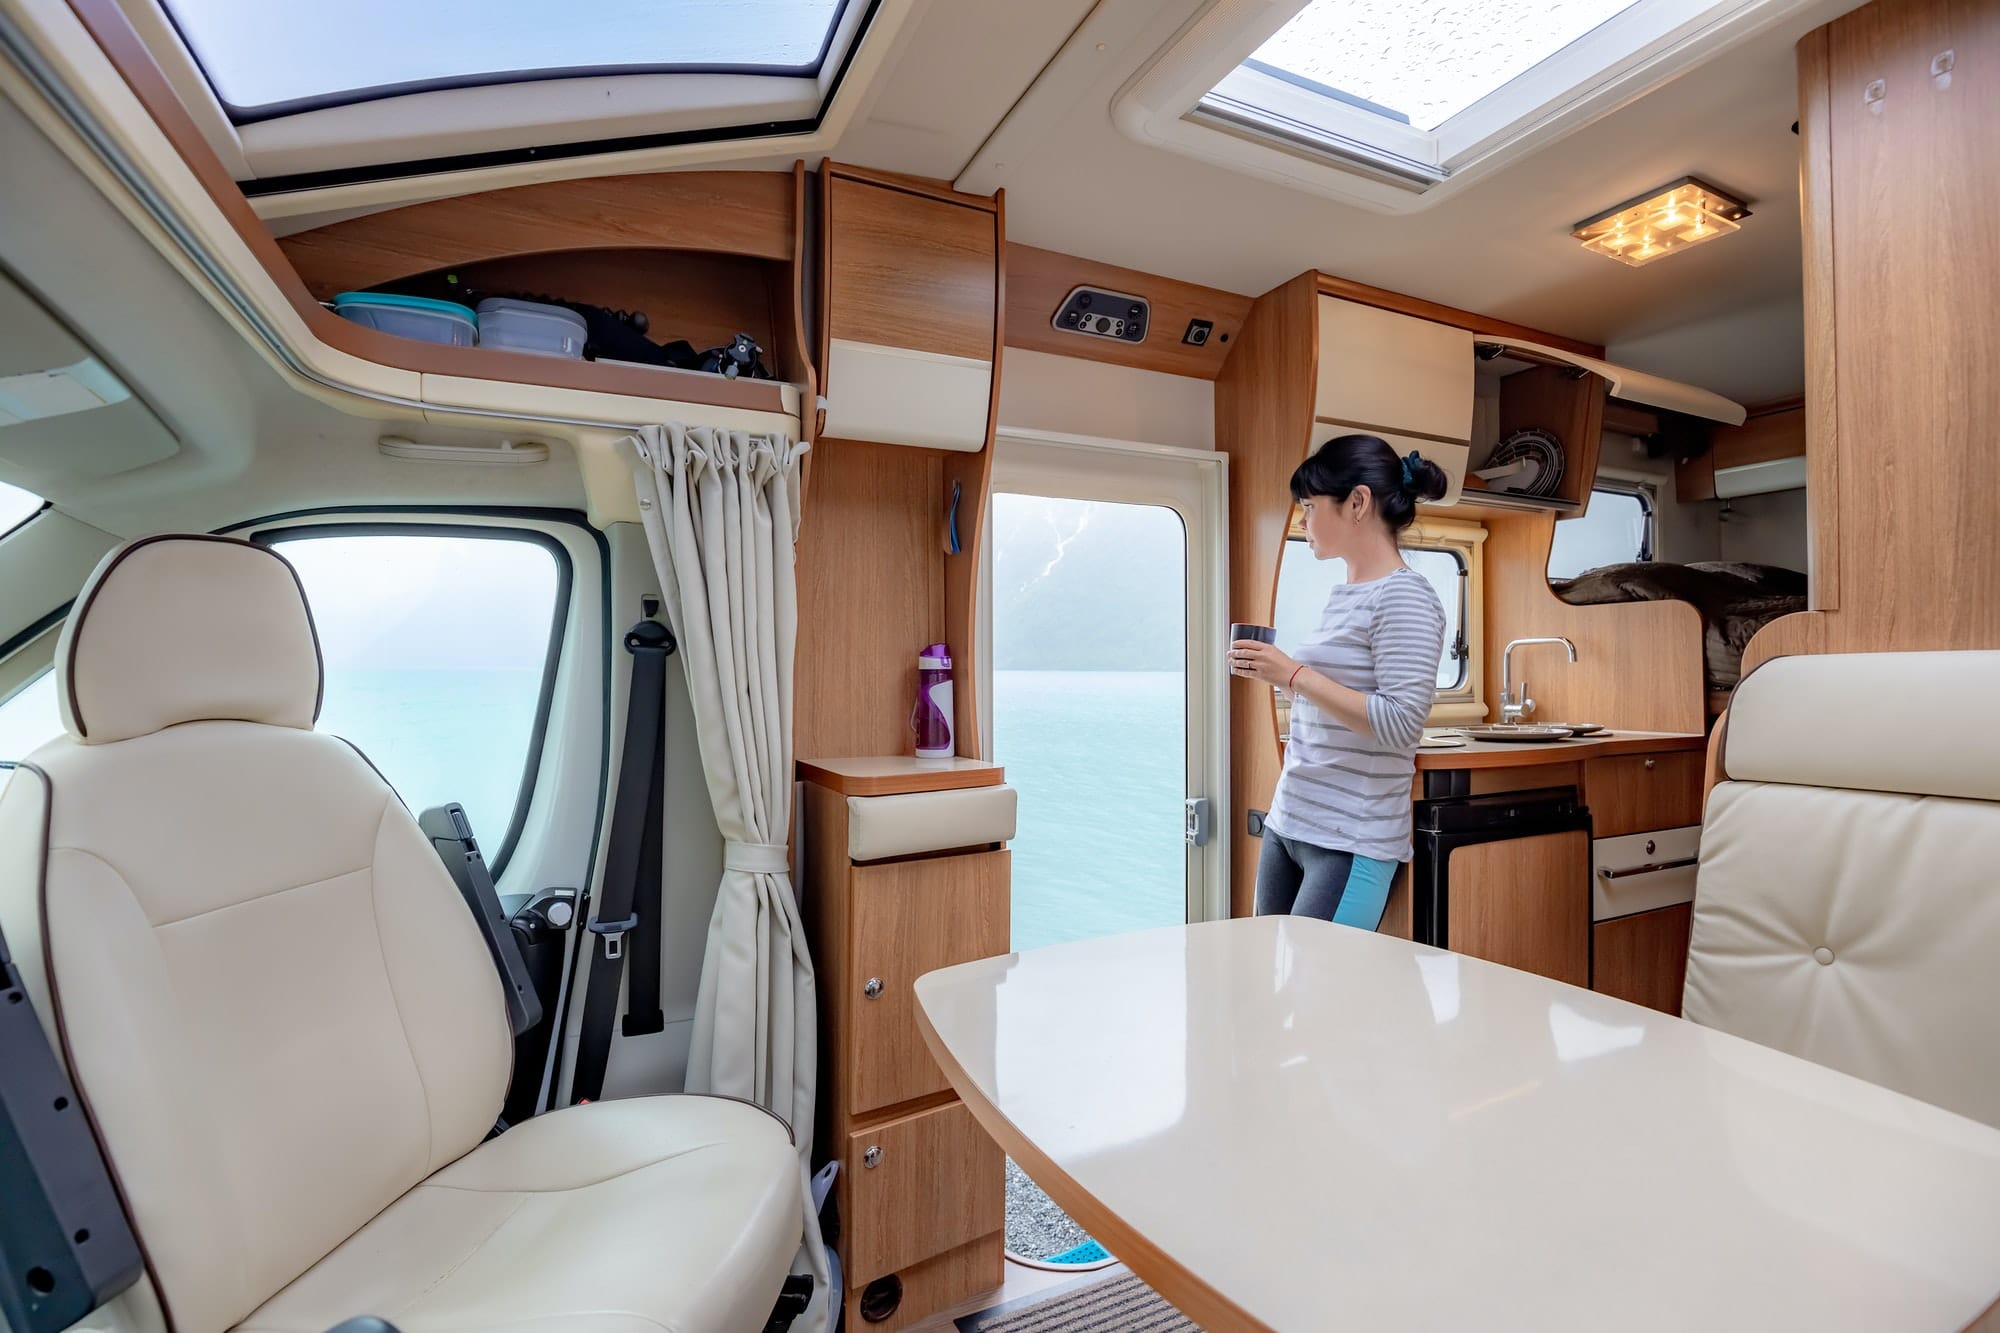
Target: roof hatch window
266 60
1421 62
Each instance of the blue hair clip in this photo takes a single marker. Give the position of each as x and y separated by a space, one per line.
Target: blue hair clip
1410 461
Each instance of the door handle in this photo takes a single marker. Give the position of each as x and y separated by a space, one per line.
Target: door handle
1197 821
1682 863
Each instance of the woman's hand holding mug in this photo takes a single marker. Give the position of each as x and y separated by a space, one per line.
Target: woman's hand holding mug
1253 654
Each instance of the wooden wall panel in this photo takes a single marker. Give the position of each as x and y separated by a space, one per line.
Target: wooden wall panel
1821 406
1264 422
871 593
724 212
1639 664
1903 250
1038 280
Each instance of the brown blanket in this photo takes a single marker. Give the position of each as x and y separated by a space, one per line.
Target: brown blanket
1734 600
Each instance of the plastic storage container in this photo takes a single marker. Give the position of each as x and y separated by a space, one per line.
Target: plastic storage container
531 326
416 317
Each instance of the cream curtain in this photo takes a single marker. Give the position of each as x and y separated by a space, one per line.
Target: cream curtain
721 510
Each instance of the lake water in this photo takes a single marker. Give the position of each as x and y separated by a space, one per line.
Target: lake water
1100 760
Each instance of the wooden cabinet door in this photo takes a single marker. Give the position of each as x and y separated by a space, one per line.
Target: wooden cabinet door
1639 793
1643 957
1524 902
917 1186
909 918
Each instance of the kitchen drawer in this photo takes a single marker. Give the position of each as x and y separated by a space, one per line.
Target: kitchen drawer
909 918
1643 871
1643 957
917 1186
1635 793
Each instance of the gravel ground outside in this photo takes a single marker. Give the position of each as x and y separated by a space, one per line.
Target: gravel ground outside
1036 1227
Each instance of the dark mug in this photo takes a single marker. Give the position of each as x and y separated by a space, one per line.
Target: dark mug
1261 633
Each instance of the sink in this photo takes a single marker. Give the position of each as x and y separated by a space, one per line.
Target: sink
1517 732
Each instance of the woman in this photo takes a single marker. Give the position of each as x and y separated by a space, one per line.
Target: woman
1361 688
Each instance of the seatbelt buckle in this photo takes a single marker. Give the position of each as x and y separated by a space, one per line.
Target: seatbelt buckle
613 934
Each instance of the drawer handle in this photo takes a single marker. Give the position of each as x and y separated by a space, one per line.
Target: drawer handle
872 1158
1606 872
1651 762
872 988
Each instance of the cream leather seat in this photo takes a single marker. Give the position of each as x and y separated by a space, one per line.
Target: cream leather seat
1847 908
289 1033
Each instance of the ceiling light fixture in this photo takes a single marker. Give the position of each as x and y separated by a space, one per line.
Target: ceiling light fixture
1673 218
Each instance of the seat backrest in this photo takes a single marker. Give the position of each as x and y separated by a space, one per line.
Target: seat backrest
277 1009
1847 908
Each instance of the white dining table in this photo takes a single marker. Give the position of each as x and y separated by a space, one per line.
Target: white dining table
1285 1124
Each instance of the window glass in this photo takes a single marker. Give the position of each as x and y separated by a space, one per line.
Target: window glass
29 718
1420 62
437 652
1305 583
17 507
1615 527
265 57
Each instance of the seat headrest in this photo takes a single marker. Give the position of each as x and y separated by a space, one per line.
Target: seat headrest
187 628
1919 723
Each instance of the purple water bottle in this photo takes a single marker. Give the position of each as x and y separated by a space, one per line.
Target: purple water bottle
931 718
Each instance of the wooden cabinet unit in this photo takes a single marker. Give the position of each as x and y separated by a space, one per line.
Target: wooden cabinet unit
908 330
1525 902
921 1190
1638 793
1641 955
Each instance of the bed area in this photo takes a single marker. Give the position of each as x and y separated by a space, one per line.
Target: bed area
1735 600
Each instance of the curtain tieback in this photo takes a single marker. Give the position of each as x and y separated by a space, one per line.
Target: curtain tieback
759 858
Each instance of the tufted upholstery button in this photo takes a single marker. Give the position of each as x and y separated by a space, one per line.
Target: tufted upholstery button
1823 954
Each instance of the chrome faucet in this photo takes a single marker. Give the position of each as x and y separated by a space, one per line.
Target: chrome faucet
1515 705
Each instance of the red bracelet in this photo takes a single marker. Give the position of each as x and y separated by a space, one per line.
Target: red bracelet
1294 676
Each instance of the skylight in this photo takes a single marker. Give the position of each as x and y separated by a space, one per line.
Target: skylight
1421 62
266 58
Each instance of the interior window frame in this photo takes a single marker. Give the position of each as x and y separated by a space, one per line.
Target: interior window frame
524 796
1465 541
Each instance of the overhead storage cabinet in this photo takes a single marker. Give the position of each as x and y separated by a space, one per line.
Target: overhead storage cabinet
1406 379
910 326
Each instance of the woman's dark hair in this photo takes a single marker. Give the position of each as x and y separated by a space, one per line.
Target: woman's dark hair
1398 484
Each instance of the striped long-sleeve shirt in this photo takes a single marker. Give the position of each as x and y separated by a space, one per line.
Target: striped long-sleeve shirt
1342 789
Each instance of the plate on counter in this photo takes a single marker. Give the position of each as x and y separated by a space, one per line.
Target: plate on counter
1584 728
1522 733
1450 741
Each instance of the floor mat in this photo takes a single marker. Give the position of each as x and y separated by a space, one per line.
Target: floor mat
1123 1303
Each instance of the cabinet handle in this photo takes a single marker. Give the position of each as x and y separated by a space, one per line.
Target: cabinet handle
872 1158
872 988
1606 872
1651 762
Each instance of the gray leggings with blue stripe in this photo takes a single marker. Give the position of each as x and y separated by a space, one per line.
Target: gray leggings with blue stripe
1298 879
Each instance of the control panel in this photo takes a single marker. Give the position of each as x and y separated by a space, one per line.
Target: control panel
1102 314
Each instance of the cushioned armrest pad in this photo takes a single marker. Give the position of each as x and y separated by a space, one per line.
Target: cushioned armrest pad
928 821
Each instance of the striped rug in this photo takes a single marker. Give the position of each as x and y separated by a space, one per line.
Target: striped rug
1121 1304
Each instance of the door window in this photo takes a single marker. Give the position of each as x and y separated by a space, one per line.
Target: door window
1090 712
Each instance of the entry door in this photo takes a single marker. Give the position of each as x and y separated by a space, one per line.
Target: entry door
1105 580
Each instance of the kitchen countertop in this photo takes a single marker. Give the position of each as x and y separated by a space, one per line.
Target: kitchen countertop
1511 754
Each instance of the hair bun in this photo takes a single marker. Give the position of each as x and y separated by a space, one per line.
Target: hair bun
1423 479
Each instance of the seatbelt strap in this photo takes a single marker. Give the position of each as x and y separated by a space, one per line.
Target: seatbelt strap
627 914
